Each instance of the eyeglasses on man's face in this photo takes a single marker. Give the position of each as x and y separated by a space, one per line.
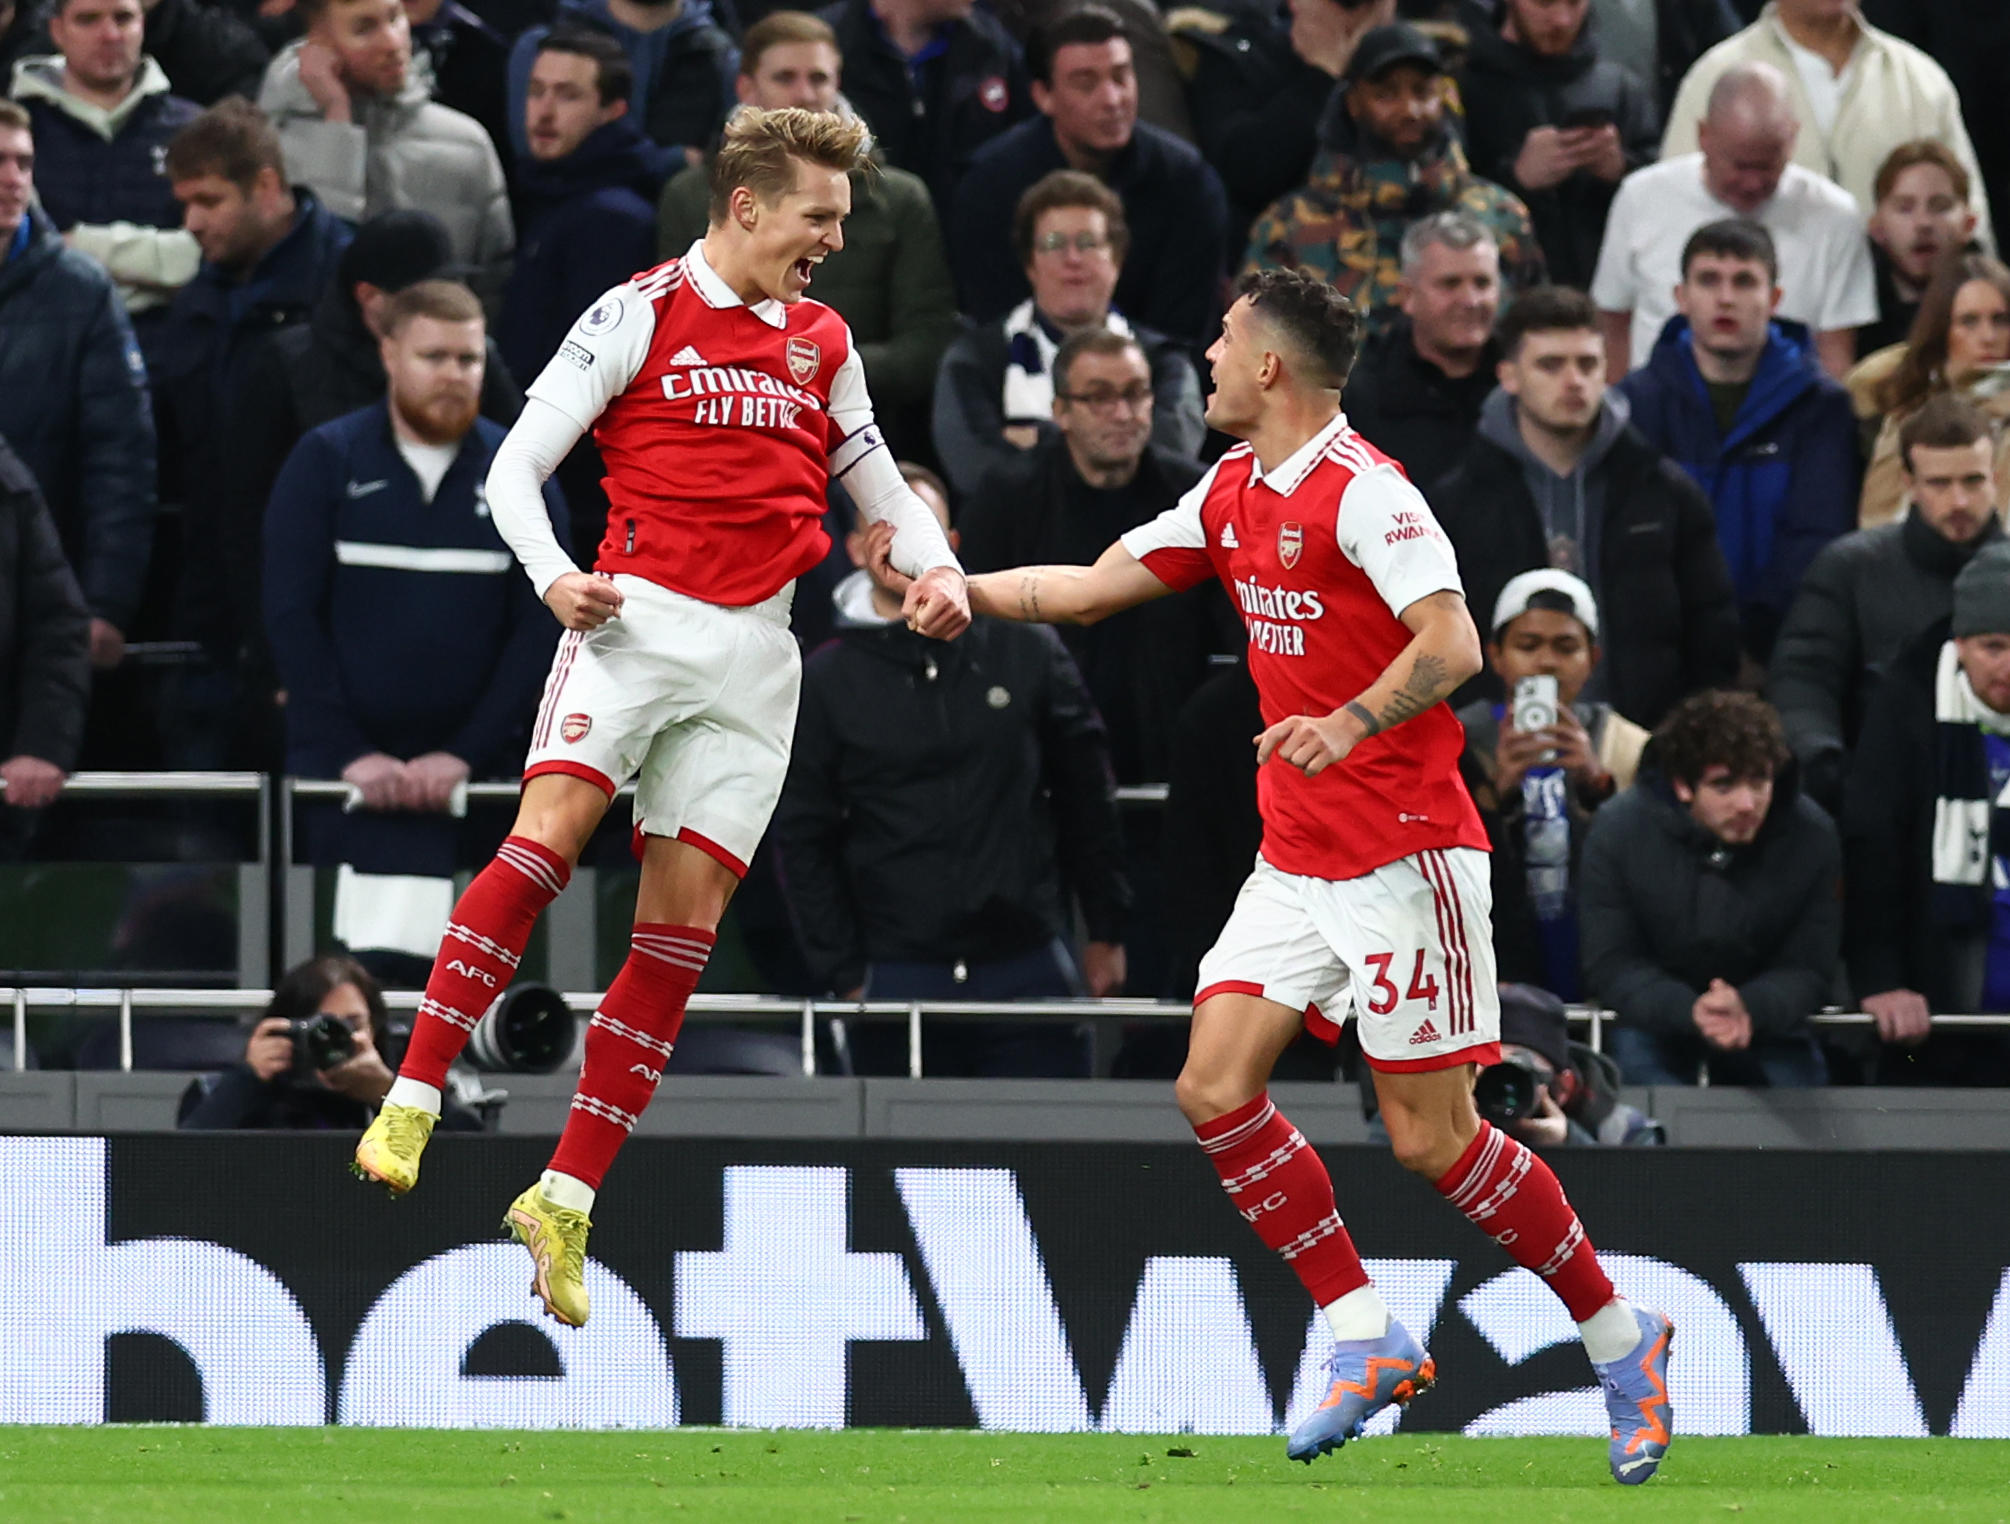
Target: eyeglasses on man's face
1103 398
1084 242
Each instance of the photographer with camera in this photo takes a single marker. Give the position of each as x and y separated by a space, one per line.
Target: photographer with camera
314 1059
1539 766
1549 1091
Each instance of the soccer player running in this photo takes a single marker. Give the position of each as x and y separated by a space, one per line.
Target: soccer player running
723 404
1371 892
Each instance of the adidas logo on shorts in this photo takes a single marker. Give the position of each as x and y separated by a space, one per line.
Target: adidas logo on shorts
1425 1033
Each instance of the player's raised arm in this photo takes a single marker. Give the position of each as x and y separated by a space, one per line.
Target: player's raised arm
906 538
1067 594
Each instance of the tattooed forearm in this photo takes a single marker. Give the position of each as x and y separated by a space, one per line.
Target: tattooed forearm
1429 681
1029 597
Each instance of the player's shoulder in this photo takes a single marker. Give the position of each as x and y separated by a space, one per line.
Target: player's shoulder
658 280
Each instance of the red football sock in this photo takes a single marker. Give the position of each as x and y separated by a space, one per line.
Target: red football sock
1512 1197
1283 1191
479 953
627 1043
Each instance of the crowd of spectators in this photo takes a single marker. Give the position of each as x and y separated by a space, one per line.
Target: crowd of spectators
1686 316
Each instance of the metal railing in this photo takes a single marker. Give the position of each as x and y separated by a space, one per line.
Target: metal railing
276 904
270 897
727 1009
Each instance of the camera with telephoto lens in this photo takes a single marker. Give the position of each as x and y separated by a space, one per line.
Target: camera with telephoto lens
528 1030
1509 1091
320 1042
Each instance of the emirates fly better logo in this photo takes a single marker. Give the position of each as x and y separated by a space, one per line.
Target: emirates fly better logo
1290 544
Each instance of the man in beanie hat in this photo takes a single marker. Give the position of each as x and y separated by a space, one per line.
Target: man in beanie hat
1926 830
310 374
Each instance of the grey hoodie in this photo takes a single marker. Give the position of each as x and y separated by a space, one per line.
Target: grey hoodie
1573 506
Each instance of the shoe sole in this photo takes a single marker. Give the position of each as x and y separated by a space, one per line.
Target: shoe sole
369 1176
1405 1391
519 1229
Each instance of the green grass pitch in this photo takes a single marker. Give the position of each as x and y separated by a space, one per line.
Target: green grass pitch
166 1475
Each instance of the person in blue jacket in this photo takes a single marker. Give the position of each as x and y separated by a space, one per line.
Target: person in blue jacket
410 648
1739 400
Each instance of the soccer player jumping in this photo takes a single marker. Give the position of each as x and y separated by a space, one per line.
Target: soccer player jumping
1371 892
723 404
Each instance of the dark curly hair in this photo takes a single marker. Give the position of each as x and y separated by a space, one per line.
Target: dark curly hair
1720 728
1314 316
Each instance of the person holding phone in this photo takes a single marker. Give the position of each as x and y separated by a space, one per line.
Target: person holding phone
1539 765
1558 123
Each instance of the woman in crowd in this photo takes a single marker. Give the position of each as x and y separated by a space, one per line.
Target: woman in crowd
1960 342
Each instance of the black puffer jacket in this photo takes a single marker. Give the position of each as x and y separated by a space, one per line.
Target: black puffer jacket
963 99
1664 907
74 402
208 50
1509 91
944 800
45 630
1865 598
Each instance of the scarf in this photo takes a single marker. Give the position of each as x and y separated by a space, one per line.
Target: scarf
1031 343
1969 827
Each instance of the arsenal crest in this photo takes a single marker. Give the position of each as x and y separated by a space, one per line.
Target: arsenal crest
804 358
574 727
1290 544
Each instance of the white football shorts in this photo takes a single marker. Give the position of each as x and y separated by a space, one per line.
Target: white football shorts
695 701
1407 950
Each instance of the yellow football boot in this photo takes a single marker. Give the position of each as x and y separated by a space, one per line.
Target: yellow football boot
389 1152
556 1238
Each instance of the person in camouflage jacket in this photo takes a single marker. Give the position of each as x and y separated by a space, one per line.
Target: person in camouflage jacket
1387 158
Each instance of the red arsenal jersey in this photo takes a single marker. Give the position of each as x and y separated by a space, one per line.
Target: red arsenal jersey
720 423
1321 555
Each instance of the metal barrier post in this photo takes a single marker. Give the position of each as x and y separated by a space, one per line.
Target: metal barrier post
809 1039
20 1030
914 1040
126 1031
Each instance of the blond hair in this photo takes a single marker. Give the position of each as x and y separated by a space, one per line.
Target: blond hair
760 150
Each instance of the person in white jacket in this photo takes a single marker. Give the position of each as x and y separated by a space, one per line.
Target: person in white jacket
1857 92
359 128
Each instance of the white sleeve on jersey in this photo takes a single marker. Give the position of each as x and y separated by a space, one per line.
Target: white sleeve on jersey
541 438
1387 529
1178 529
866 466
602 353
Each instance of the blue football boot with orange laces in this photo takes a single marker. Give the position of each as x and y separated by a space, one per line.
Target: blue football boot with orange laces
1367 1375
1636 1398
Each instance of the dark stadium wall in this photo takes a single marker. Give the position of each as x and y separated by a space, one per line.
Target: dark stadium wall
1032 1287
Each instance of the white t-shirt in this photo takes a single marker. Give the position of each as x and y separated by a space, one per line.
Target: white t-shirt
1824 86
430 463
1825 270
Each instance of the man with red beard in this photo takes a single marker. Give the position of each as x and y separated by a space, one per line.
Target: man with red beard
409 650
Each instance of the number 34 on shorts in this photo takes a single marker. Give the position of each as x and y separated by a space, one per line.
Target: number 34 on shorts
1407 950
